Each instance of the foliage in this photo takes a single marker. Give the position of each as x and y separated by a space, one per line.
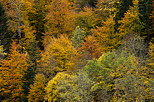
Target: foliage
37 90
12 72
91 48
106 8
76 51
86 19
69 87
131 23
106 35
59 17
2 53
37 18
78 36
59 55
120 77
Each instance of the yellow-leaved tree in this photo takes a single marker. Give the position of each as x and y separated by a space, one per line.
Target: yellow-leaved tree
106 35
131 23
37 90
69 87
59 55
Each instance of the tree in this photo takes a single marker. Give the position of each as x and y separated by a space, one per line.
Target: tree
37 90
37 18
12 70
16 11
146 11
78 36
86 20
106 35
4 33
69 87
122 8
119 77
131 23
59 55
91 48
106 8
60 15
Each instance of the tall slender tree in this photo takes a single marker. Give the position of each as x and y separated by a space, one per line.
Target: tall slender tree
12 70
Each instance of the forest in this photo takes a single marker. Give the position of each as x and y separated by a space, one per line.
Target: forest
76 51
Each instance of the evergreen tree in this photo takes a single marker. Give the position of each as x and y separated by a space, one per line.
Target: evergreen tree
5 35
146 11
78 37
37 19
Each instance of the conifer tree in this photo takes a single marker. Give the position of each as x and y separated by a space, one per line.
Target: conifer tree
78 36
4 32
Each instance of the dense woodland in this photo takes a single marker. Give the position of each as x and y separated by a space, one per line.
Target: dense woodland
76 51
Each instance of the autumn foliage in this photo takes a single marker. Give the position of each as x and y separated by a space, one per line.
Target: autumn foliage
76 51
12 73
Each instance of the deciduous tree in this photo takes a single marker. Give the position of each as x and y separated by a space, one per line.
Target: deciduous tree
37 90
12 72
59 55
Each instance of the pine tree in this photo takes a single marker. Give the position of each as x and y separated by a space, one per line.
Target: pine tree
4 32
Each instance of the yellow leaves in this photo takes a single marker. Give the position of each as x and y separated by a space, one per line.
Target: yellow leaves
37 91
146 82
59 54
106 35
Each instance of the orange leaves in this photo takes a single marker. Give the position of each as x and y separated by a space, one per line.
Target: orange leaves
12 73
60 16
91 48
